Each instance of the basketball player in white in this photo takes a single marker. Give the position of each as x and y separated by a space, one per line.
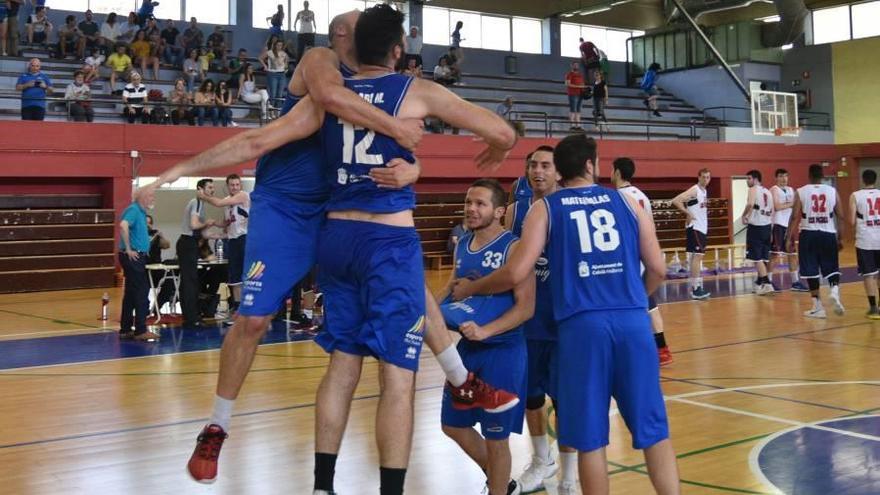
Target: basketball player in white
694 205
783 200
237 207
864 216
756 217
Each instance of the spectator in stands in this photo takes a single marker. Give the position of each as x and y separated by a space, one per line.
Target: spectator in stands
181 103
206 57
92 66
143 54
275 64
173 53
306 37
590 61
4 13
69 37
145 12
217 44
157 48
455 46
504 110
134 247
192 70
454 60
443 72
120 66
600 98
414 46
34 86
290 49
413 69
224 101
110 31
91 35
12 30
574 86
152 28
249 93
134 97
236 69
129 28
457 232
193 38
79 99
649 87
276 22
206 103
39 28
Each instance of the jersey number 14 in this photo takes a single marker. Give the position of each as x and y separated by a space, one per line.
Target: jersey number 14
605 237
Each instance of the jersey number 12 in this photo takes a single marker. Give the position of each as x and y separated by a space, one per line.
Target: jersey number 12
357 153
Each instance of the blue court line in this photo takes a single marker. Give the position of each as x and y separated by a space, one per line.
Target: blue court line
769 396
821 341
185 422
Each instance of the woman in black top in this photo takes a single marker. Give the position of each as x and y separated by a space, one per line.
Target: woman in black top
600 97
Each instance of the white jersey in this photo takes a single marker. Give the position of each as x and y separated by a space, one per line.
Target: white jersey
637 194
784 195
817 207
762 209
868 219
698 208
237 218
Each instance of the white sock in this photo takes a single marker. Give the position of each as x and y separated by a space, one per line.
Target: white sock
222 414
835 292
541 448
795 277
450 362
817 303
568 462
694 283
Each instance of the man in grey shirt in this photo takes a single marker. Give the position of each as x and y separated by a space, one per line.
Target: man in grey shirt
414 46
188 253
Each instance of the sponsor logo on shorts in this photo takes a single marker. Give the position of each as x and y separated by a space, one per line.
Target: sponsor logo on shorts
495 429
248 300
411 352
256 270
413 338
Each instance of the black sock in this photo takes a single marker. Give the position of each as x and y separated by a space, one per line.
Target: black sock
391 481
325 470
872 300
834 280
660 340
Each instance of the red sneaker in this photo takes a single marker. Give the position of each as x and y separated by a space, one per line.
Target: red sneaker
202 465
665 356
475 393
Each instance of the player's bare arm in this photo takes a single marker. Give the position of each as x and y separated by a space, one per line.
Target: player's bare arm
838 214
793 224
852 210
778 204
679 201
238 198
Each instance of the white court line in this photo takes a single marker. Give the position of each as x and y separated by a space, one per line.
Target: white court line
54 332
770 385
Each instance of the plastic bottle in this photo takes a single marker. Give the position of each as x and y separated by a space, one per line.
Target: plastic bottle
105 304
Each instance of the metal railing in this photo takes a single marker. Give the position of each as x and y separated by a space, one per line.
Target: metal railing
555 126
743 116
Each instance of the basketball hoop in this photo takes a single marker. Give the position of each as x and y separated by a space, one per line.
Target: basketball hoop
774 113
787 131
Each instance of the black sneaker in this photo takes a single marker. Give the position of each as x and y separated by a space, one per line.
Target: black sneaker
657 114
126 335
513 488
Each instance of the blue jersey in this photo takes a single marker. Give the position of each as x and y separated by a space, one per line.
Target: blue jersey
541 326
593 244
522 189
295 169
476 264
352 151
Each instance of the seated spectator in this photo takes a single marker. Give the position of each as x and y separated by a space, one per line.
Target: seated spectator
91 36
157 47
79 99
91 69
193 38
206 58
236 69
69 37
144 54
454 58
249 93
457 232
412 69
151 28
206 103
34 86
134 96
443 72
38 27
120 66
173 52
504 110
181 103
192 70
110 31
217 45
224 101
129 28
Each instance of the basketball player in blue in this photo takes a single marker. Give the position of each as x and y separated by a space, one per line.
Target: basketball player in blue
540 332
521 189
493 344
595 238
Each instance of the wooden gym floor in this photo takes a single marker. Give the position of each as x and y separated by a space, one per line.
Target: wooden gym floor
755 396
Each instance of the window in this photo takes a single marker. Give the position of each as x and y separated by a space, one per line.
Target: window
866 20
121 7
568 37
208 11
610 41
266 8
321 8
830 25
471 32
167 9
74 5
496 33
527 35
435 24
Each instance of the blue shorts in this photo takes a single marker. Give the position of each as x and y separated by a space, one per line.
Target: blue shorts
758 242
236 259
604 354
542 366
777 240
373 282
868 261
502 366
817 254
280 251
695 241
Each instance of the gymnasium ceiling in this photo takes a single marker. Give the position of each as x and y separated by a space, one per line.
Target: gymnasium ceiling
637 14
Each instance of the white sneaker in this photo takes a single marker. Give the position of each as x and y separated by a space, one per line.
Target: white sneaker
764 289
568 488
838 306
532 479
816 313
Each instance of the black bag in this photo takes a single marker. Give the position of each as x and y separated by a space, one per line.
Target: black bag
587 93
